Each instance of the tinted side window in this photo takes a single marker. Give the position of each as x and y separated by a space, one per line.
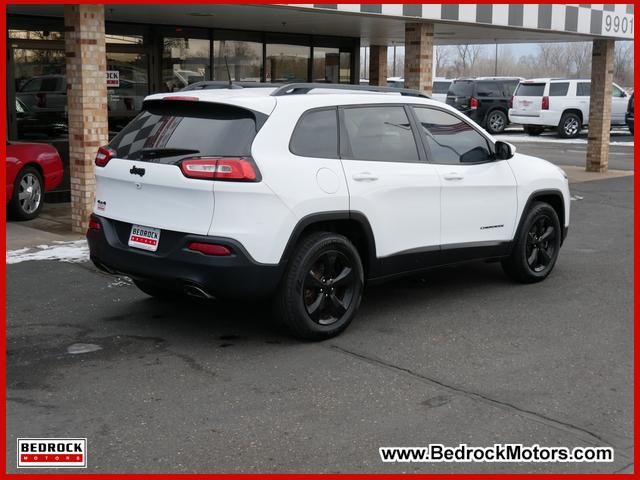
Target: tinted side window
558 89
450 139
510 87
583 89
489 89
378 133
316 134
616 92
33 85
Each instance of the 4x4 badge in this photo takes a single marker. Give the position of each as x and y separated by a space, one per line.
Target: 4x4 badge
137 171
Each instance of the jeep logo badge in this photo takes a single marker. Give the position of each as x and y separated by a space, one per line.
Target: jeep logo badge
137 171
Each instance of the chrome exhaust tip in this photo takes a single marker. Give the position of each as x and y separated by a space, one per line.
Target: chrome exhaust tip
198 292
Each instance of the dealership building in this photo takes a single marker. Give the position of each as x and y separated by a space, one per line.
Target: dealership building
78 73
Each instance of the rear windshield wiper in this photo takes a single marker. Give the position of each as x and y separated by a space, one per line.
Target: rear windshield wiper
165 152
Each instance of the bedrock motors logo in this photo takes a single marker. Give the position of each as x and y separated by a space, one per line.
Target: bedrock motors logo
52 453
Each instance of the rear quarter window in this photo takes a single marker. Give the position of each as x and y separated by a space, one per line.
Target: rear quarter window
208 128
316 134
530 90
583 89
558 89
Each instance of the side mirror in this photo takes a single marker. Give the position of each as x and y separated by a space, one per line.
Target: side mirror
504 150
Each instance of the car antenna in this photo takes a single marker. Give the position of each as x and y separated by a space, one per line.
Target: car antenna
226 64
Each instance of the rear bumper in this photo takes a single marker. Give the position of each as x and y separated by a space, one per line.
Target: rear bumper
543 118
173 266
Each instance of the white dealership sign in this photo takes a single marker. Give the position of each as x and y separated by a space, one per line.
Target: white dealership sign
113 78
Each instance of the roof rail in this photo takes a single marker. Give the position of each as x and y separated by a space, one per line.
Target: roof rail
304 88
223 84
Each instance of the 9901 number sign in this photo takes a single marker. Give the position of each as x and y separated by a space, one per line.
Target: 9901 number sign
618 24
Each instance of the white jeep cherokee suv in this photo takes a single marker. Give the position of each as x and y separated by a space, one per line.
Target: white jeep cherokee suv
560 104
304 194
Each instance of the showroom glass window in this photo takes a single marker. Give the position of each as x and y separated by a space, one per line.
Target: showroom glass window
184 61
326 65
378 133
244 60
287 63
130 78
316 134
450 139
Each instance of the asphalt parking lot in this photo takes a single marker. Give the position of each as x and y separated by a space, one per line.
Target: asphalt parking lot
459 355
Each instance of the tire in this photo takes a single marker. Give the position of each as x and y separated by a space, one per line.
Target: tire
496 121
306 303
155 291
533 130
524 265
569 126
28 195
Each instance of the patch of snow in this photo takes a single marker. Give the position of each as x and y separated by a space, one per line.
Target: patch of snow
77 348
121 282
69 251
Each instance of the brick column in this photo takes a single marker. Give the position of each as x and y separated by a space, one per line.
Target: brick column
418 56
86 102
378 65
600 105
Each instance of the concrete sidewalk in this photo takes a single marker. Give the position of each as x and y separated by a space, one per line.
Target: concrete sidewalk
53 224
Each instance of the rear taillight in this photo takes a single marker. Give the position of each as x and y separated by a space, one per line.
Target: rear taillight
545 103
511 102
94 223
103 156
473 103
210 249
236 169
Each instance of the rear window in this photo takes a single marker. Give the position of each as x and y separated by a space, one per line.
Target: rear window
530 90
558 89
441 87
461 89
170 130
489 89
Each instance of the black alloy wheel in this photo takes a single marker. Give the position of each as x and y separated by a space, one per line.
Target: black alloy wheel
541 244
536 247
322 287
329 287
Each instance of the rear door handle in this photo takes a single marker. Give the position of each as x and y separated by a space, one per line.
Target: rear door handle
453 176
364 177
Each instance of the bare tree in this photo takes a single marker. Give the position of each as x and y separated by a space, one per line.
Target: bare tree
579 58
468 56
623 64
443 59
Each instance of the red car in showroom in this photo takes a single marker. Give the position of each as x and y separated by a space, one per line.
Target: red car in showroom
32 170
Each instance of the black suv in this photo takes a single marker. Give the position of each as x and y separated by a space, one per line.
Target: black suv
484 100
628 118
